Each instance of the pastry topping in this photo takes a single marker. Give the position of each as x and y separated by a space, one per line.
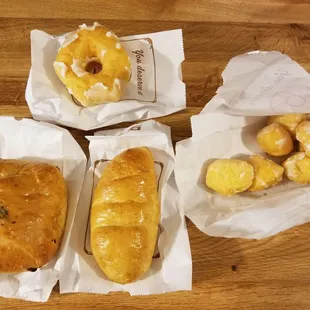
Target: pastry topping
77 67
102 53
71 37
95 90
63 68
117 82
90 28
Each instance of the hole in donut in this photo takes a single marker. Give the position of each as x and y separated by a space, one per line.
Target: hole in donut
93 67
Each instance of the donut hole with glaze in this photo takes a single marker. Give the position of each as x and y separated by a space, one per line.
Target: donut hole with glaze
93 67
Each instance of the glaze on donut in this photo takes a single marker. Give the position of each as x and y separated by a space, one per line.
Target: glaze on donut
93 44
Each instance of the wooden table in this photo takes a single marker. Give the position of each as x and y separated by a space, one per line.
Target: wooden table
227 273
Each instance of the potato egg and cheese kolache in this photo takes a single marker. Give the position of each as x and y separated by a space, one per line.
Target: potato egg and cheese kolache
33 208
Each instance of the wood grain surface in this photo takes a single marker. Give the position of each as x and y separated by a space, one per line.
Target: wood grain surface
273 273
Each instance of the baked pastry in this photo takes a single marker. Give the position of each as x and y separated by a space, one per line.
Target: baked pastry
125 216
289 121
275 140
301 148
266 173
81 50
303 135
33 208
229 176
297 168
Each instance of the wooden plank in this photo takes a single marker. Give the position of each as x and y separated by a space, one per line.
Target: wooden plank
203 42
227 274
208 48
254 11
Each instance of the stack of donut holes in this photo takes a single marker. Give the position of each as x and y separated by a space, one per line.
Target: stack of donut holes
286 137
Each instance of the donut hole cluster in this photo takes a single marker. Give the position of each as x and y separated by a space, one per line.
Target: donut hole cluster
284 135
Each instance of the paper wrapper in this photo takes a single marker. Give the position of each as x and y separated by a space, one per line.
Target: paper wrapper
35 141
155 88
258 83
171 269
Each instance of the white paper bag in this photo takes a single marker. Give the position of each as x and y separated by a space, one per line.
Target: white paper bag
31 140
155 88
258 83
171 269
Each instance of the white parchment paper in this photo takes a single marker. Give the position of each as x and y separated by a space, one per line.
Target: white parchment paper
30 140
156 59
172 269
255 85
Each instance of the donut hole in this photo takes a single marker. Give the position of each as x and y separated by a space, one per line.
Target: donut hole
93 67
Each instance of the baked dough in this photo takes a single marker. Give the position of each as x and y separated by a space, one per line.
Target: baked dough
303 136
297 168
33 207
275 140
93 44
301 148
229 176
266 173
289 121
125 216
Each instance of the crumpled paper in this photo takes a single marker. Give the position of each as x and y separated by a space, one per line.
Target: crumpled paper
171 269
31 140
155 88
255 85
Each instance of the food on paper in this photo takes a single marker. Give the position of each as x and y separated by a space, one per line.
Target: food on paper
289 121
229 176
297 168
275 140
33 208
125 216
266 173
93 65
303 136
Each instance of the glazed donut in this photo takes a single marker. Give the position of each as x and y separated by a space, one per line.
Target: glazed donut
275 140
288 121
229 176
80 49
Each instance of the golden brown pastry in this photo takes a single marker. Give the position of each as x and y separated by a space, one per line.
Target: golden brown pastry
266 173
33 208
275 140
301 148
289 121
297 168
90 47
229 176
303 135
125 215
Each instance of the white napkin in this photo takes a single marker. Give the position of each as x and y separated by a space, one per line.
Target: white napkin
155 88
255 85
172 271
31 140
